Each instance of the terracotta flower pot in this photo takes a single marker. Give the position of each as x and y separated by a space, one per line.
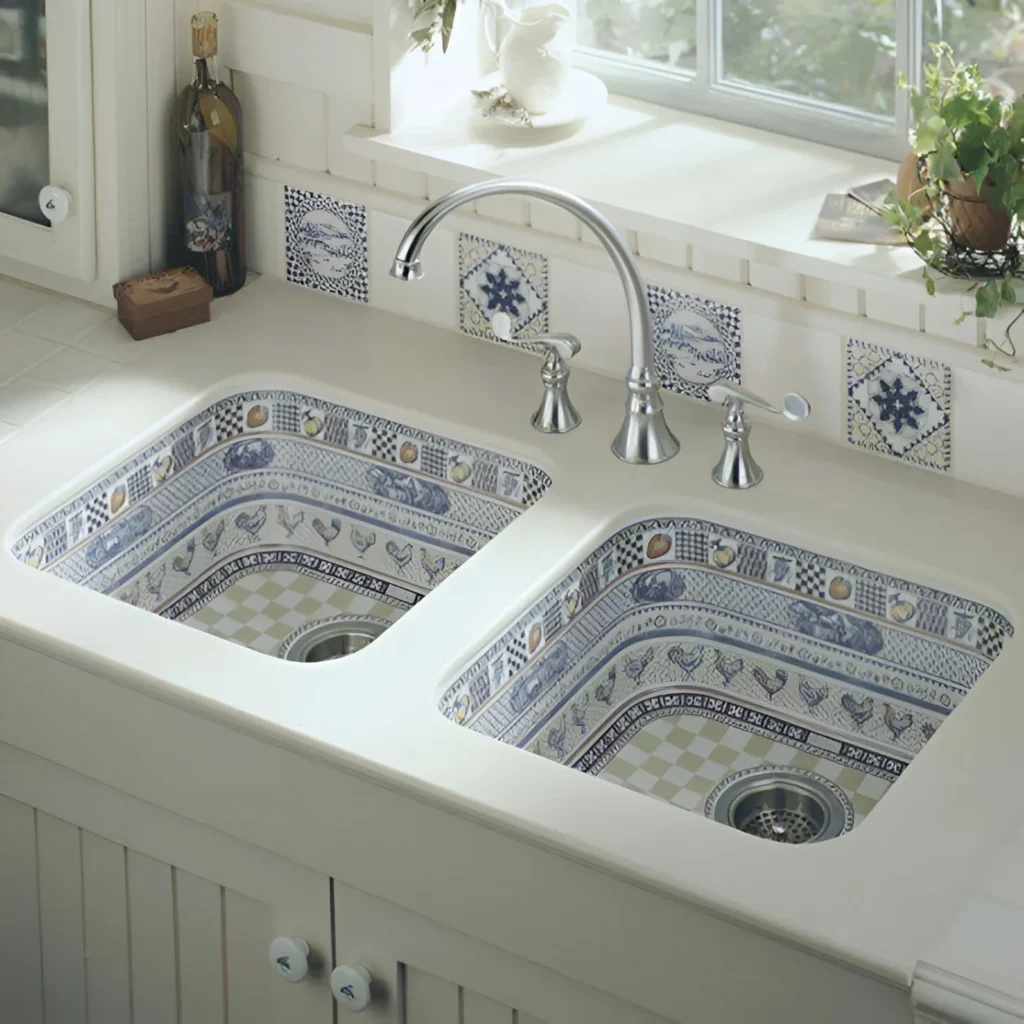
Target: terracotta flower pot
909 185
975 223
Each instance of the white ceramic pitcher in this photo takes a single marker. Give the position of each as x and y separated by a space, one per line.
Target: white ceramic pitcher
533 46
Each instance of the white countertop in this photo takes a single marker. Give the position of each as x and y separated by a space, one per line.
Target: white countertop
874 898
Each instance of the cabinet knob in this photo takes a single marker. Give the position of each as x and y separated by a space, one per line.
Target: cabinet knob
55 202
290 957
351 986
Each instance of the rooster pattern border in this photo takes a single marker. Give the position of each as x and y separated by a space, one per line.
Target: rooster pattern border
249 439
673 616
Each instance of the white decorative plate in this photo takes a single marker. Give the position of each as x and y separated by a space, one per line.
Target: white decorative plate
582 97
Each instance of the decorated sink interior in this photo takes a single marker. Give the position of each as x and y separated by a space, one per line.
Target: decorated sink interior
775 689
271 513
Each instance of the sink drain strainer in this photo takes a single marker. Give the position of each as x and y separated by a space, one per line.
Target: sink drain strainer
784 805
332 638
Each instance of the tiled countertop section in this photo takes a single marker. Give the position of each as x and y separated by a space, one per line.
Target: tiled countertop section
51 347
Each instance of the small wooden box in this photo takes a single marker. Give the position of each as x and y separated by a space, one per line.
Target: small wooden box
163 302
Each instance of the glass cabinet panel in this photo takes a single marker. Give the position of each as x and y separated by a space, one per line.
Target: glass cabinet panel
24 108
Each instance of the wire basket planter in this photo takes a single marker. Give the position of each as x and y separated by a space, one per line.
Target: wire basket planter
954 216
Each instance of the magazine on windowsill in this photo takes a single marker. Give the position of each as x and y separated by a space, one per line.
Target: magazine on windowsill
854 217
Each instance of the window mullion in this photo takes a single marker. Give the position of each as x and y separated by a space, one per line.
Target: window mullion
909 45
708 44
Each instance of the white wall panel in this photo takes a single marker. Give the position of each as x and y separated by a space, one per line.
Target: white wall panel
313 54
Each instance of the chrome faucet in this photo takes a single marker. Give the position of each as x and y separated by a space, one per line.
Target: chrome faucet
644 436
737 468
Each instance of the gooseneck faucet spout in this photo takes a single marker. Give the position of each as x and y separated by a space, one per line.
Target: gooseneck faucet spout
644 436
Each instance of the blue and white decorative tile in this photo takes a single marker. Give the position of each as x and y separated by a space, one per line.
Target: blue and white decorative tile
494 277
898 404
325 244
696 341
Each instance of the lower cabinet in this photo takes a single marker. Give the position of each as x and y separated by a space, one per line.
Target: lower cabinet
113 911
92 930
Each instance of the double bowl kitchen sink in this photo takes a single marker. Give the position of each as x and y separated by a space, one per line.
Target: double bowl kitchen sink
775 689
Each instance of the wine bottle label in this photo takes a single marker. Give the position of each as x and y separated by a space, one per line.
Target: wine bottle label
208 221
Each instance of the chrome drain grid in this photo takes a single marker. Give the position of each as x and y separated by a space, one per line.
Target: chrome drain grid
783 805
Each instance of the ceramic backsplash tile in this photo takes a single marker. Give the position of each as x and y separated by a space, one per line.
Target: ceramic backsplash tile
326 244
495 277
899 405
788 345
696 341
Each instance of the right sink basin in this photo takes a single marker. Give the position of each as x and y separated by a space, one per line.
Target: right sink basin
776 690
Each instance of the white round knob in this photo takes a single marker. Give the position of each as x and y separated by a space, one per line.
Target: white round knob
290 957
351 986
55 202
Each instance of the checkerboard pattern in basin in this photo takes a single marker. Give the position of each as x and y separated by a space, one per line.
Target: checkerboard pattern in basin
262 609
680 759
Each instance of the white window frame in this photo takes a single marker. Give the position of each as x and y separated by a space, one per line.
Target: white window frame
705 91
70 247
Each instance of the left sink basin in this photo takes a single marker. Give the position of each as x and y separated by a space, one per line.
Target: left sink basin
285 523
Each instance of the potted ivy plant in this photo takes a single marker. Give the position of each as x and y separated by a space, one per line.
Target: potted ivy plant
960 194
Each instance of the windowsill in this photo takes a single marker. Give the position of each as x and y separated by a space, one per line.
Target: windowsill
737 190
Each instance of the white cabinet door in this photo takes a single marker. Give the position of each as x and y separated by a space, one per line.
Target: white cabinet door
46 134
113 910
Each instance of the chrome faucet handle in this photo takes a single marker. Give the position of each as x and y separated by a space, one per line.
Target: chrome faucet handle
737 469
557 414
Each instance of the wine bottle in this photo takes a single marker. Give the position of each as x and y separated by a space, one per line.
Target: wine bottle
208 130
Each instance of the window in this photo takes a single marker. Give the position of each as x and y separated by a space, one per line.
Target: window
820 69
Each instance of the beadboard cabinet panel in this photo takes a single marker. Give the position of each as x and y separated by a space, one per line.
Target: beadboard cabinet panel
426 974
249 981
94 930
429 999
21 971
105 890
197 904
151 920
61 921
478 1009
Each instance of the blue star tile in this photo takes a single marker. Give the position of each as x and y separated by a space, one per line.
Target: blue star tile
325 244
494 277
696 341
898 404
